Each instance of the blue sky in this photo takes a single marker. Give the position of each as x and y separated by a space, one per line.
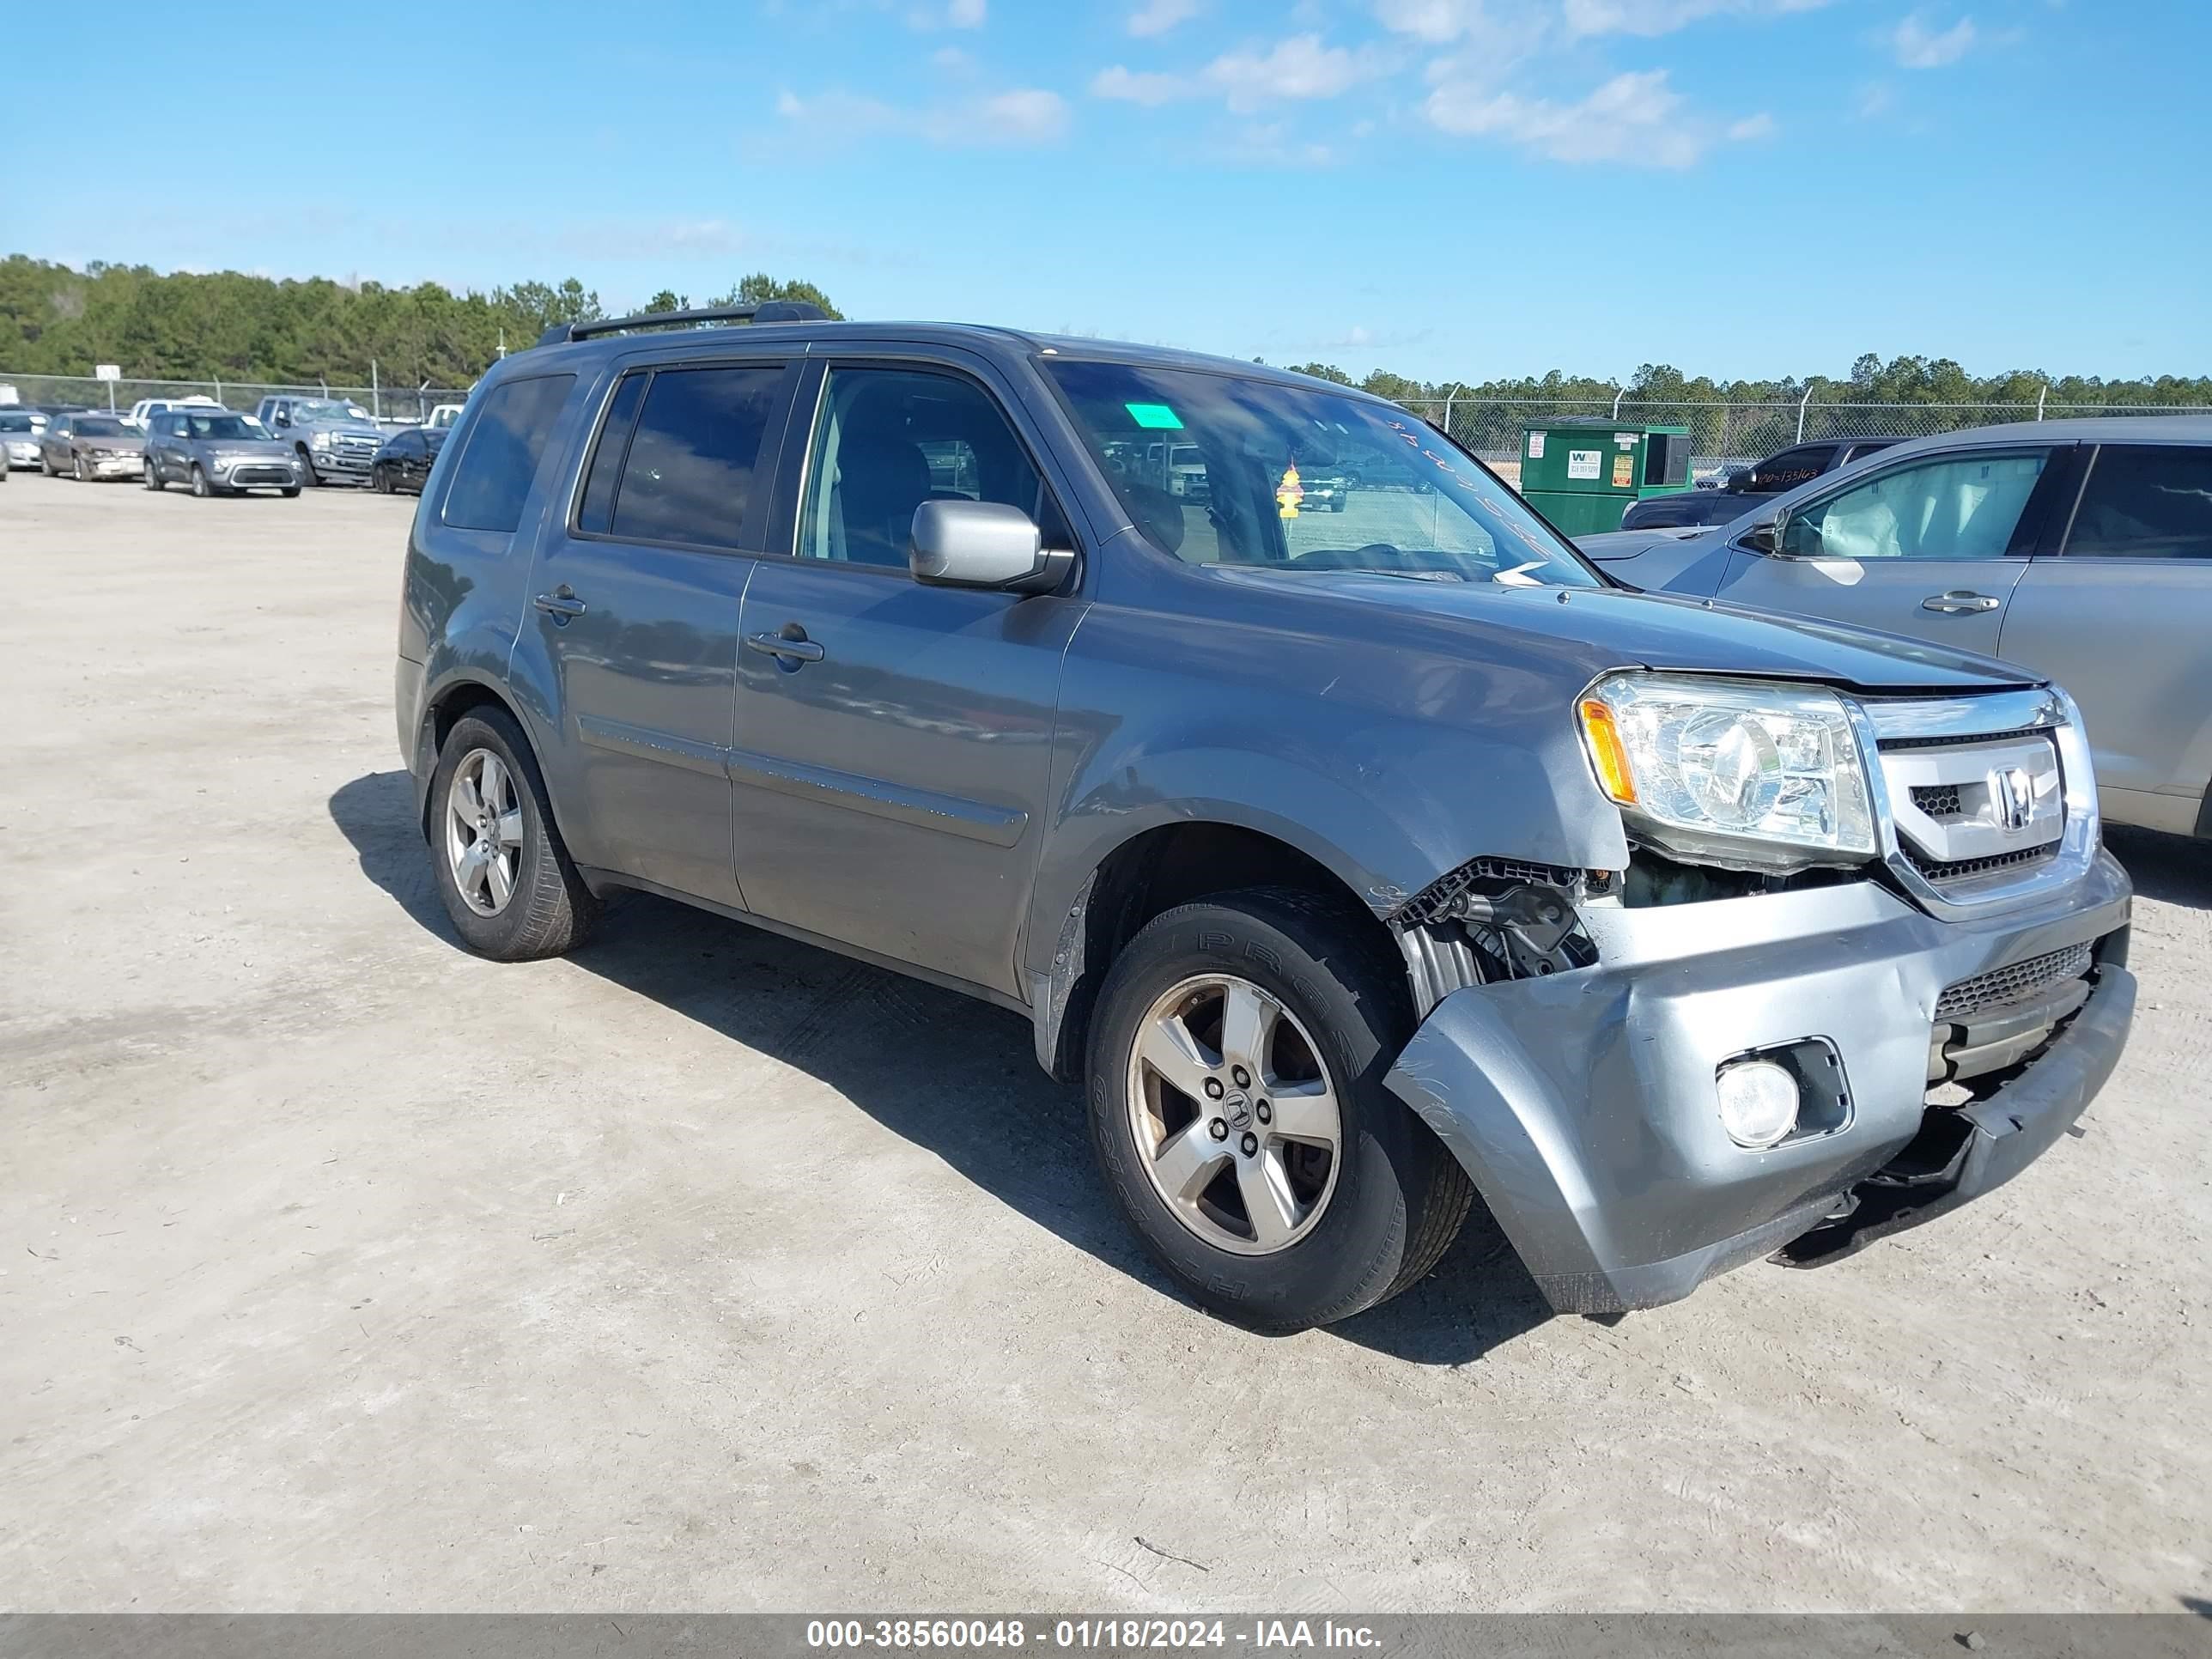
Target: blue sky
1462 188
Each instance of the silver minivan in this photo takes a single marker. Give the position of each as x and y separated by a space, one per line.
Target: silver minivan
2082 549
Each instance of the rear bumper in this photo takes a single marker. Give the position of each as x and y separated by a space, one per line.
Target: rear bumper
1583 1105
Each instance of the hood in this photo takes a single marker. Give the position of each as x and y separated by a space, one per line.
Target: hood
1612 546
1607 628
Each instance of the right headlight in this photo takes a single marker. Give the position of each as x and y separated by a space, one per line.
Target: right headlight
1750 776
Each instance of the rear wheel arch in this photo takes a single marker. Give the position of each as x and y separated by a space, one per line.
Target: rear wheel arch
445 710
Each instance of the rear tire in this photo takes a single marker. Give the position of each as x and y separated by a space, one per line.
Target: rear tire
1392 1197
290 492
502 867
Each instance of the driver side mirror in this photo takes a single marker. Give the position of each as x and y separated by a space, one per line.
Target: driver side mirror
963 544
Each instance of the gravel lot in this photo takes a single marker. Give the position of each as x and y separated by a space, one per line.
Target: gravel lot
342 1271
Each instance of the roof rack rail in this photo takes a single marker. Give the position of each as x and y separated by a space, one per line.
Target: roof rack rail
767 311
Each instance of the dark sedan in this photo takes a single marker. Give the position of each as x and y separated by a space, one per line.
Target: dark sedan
403 466
1784 470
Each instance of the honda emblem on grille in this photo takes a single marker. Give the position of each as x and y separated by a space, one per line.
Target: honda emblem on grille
2012 798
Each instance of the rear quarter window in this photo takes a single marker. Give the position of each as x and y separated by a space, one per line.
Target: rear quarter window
492 479
2146 502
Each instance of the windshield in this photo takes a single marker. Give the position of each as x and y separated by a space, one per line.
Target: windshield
1229 486
222 426
320 409
87 426
11 421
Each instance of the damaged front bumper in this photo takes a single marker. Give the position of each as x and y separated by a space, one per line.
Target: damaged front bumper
1583 1105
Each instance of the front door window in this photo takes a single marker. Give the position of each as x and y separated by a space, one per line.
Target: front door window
888 440
1958 507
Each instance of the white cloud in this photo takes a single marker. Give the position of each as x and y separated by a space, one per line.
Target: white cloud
1434 21
1300 67
1634 118
1158 16
1916 46
1760 125
1440 21
1272 144
1026 115
1648 18
1139 87
951 14
1876 98
1020 115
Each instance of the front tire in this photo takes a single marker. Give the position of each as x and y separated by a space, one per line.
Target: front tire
1239 1114
200 486
153 475
502 870
307 478
76 468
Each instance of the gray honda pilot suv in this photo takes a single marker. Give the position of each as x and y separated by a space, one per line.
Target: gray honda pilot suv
1357 863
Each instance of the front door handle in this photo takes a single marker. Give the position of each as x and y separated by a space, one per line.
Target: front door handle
1959 601
798 650
560 604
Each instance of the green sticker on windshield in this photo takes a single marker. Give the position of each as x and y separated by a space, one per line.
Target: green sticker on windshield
1157 417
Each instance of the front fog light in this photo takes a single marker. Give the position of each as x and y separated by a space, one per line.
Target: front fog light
1758 1101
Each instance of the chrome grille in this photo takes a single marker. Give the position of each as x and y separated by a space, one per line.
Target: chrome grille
2020 980
1959 869
1938 801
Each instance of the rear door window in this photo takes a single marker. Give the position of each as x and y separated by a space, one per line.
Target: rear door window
688 474
493 479
2145 502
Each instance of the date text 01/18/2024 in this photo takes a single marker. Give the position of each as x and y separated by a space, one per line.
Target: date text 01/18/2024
1112 1634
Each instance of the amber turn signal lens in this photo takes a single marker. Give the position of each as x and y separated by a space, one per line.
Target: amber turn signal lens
1607 752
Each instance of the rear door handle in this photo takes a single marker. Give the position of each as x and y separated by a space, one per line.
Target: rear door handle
801 649
561 606
1958 600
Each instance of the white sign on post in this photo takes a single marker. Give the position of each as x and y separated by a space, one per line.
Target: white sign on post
106 372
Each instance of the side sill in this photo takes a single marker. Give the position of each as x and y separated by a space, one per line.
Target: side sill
603 882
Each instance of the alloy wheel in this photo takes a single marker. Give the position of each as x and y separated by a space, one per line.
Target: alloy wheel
1234 1114
483 832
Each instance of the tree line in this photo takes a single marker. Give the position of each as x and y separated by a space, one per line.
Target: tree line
1903 379
188 326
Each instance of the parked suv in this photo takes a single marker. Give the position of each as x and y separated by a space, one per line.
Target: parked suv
215 452
1357 865
334 439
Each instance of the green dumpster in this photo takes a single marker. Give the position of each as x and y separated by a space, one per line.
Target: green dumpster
1581 474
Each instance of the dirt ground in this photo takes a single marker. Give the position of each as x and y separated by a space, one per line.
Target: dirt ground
342 1271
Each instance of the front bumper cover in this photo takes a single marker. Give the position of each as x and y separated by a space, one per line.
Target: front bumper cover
1582 1104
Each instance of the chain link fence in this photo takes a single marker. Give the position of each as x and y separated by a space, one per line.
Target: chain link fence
1722 436
393 405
